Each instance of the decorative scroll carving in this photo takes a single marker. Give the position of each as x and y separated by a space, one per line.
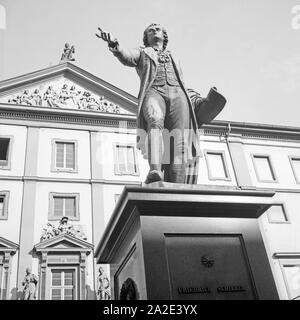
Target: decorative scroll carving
65 98
64 227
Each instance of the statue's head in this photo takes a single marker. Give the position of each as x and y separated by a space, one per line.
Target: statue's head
28 270
64 220
101 270
155 30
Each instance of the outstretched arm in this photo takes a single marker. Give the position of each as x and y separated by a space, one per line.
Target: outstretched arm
127 57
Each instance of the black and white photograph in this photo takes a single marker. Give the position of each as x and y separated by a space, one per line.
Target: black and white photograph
149 150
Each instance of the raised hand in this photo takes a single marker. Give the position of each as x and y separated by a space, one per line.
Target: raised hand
106 36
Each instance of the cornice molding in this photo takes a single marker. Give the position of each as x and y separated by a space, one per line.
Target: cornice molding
66 116
70 180
251 131
8 246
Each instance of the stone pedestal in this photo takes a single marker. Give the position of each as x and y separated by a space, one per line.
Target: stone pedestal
170 241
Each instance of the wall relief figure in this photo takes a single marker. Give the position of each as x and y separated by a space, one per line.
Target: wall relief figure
50 97
26 98
36 98
65 98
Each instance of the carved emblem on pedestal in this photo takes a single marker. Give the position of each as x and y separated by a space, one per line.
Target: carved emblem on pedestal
207 261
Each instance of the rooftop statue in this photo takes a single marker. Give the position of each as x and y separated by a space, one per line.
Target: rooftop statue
165 108
67 54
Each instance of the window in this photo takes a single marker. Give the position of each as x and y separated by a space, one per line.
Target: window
295 163
63 268
63 284
216 165
4 205
7 250
64 205
64 156
263 168
277 214
5 147
3 280
290 267
292 274
125 160
2 17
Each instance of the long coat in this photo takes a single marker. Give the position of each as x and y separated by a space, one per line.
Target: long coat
145 62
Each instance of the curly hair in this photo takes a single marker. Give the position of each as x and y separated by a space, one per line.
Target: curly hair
145 37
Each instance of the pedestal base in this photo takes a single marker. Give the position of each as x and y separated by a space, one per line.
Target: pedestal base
188 242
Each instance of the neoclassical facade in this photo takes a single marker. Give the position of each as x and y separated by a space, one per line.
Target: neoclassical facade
67 149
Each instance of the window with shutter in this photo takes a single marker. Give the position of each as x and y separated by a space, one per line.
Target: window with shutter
64 156
63 284
64 205
125 160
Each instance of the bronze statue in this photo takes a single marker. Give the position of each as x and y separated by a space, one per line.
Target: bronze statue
30 285
167 118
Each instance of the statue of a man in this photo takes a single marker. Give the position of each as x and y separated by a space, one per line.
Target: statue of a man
167 125
30 285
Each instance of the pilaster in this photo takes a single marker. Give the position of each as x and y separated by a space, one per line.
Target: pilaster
28 205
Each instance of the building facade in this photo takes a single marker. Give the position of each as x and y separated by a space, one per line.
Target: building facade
67 149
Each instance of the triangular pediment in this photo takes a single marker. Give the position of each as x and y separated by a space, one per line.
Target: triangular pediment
66 86
63 242
7 245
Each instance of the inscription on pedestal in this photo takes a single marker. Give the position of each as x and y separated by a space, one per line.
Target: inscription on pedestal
207 267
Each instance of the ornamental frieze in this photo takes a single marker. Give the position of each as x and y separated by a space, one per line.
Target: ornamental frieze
63 94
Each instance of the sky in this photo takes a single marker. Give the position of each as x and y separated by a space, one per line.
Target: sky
249 50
